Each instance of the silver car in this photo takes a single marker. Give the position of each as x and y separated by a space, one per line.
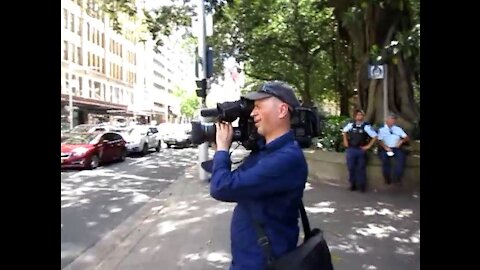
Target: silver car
142 138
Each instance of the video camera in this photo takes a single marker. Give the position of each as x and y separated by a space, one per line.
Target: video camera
305 124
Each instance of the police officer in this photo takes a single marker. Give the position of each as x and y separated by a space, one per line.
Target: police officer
358 137
390 138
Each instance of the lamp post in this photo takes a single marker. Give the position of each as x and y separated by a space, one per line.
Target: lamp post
70 106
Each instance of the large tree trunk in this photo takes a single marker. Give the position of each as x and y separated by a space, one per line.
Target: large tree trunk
344 100
306 95
339 76
378 27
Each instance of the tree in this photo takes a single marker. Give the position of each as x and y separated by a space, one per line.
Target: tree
157 22
189 102
383 31
285 40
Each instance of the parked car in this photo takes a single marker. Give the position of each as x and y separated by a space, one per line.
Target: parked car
89 150
141 138
178 135
89 128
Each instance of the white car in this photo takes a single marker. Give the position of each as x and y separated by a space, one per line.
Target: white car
142 138
178 135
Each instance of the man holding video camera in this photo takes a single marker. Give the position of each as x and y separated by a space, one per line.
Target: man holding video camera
268 186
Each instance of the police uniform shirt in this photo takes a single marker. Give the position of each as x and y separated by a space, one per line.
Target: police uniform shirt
368 128
391 136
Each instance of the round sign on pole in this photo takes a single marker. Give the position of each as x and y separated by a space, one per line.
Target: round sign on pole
376 72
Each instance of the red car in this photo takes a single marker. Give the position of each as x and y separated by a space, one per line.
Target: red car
89 150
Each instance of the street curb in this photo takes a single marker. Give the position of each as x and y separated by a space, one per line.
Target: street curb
131 229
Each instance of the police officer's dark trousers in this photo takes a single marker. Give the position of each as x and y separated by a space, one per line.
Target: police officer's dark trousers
356 163
399 157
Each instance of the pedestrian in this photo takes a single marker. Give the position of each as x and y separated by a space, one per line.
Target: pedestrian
268 186
358 137
390 138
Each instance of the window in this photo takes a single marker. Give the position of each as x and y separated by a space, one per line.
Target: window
102 94
65 50
117 137
108 137
67 79
103 40
89 88
79 56
72 23
65 18
117 94
74 87
103 65
88 31
80 26
73 52
97 90
98 38
121 96
154 130
80 83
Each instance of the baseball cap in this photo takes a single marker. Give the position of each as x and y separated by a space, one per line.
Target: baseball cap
278 89
359 111
392 115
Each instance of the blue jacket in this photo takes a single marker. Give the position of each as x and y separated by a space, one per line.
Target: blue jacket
269 184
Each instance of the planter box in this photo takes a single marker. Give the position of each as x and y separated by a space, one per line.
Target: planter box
331 167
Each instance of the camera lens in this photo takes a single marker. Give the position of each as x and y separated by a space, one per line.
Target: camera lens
203 132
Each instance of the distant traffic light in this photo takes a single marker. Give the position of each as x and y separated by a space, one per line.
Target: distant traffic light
201 88
209 62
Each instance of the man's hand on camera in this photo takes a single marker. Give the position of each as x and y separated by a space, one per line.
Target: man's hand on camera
224 136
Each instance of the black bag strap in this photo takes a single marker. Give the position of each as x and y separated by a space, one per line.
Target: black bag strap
305 223
263 238
263 242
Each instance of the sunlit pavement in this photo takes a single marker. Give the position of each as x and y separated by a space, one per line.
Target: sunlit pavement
367 230
95 202
191 230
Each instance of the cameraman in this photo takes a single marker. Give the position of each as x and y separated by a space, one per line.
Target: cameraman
268 186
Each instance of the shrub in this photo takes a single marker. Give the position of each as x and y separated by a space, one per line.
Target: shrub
331 137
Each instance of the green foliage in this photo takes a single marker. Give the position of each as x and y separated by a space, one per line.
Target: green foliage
158 22
331 138
285 40
189 102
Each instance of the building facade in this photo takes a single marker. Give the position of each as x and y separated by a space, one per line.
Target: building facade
108 76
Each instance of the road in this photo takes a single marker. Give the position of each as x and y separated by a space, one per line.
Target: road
97 201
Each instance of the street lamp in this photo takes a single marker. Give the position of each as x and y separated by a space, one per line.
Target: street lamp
70 106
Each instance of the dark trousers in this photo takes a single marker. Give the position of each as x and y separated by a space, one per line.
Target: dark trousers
399 157
356 163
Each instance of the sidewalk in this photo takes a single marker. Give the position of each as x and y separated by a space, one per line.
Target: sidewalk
184 228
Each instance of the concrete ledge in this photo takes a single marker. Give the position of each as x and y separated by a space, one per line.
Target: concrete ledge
331 167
